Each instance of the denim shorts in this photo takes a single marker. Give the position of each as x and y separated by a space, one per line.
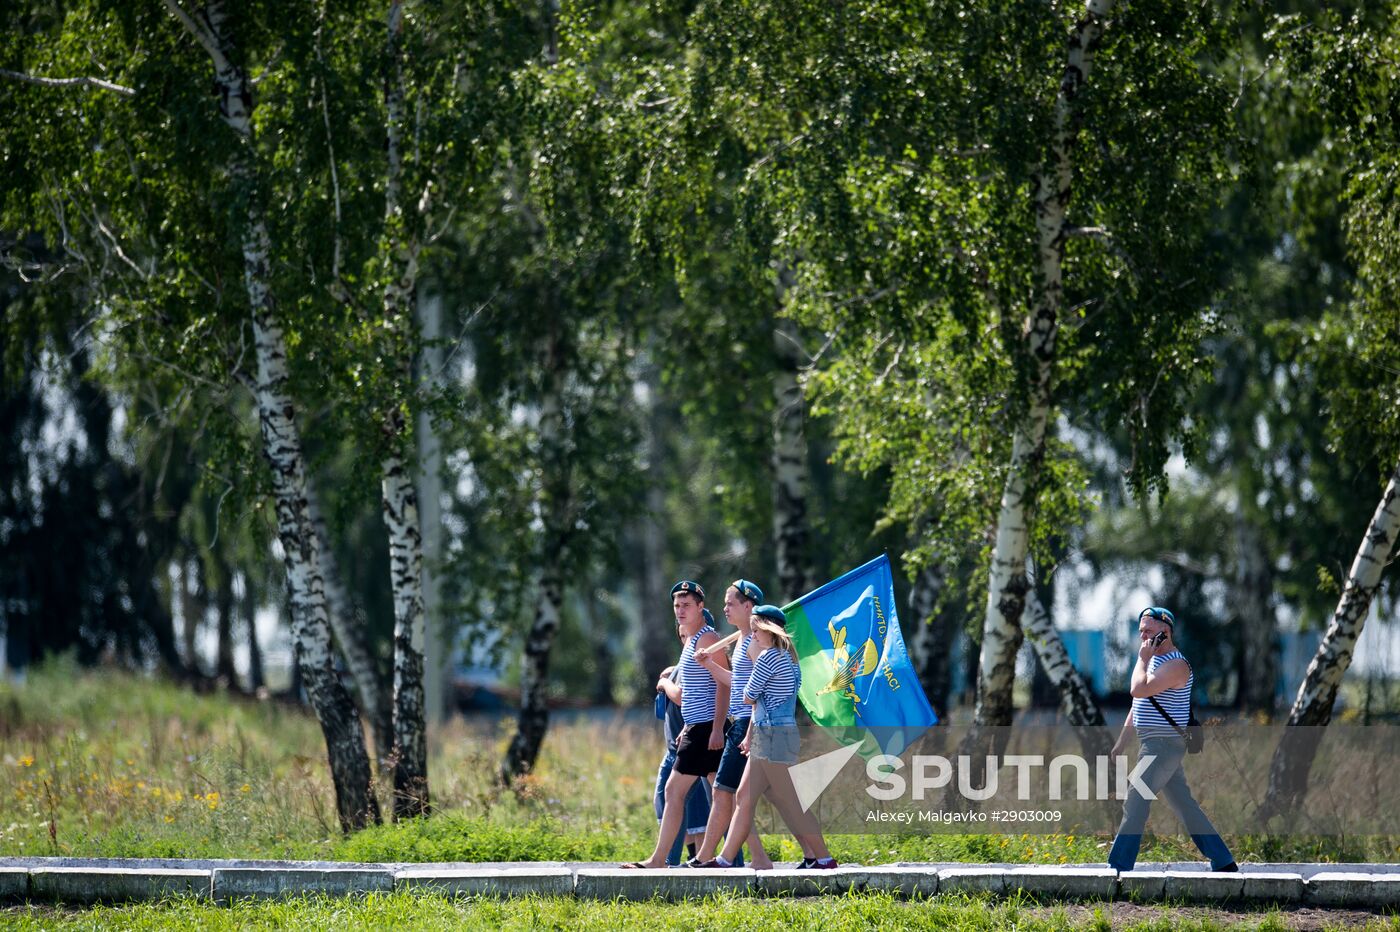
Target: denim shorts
777 744
733 761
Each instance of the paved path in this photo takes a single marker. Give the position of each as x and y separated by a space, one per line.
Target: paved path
87 880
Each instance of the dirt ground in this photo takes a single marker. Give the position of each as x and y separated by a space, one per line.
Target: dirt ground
1301 917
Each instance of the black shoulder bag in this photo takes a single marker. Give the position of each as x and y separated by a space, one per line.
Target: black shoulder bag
1193 734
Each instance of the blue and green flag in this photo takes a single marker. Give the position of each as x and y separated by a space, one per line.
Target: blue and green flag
856 672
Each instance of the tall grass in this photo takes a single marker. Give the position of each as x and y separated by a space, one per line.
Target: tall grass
107 764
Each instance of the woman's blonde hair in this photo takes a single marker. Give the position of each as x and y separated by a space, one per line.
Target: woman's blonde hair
779 634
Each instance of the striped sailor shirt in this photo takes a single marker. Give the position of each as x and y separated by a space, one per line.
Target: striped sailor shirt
743 669
1147 720
697 685
774 680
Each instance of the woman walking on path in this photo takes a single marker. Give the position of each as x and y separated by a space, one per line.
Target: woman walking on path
772 744
740 600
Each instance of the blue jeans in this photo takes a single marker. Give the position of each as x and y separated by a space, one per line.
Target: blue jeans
697 806
1165 776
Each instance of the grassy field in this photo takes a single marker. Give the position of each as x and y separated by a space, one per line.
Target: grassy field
957 913
107 764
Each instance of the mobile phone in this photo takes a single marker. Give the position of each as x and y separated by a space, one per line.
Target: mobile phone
1158 638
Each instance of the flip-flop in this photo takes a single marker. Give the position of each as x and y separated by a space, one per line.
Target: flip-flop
636 866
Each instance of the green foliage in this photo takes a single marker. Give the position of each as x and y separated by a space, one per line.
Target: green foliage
1347 63
1292 346
910 211
625 196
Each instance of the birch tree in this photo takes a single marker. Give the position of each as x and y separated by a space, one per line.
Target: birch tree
1053 183
355 800
1349 65
554 430
350 637
791 527
557 510
400 494
1317 694
122 191
978 269
729 348
400 166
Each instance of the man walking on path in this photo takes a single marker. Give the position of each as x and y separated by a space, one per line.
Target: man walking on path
739 601
1161 690
697 803
704 709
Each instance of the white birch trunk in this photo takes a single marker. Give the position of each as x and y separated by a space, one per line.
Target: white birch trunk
435 646
533 721
400 497
557 511
356 804
790 479
349 635
1006 595
406 574
1288 773
1077 703
311 635
1076 699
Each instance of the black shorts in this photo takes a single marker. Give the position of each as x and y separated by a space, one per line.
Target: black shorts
732 760
693 755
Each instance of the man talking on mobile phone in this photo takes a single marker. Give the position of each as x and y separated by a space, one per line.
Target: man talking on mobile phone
1161 690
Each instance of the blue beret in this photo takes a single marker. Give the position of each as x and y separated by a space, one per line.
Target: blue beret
748 590
690 586
709 619
1161 614
772 613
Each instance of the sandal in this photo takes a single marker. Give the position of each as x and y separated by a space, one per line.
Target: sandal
636 866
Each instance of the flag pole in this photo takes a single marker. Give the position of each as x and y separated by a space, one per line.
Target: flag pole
721 643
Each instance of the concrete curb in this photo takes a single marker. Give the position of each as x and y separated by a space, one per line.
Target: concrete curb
115 884
1273 887
1353 889
1203 886
972 880
1143 886
615 883
1075 883
903 880
14 883
294 880
812 883
75 880
486 881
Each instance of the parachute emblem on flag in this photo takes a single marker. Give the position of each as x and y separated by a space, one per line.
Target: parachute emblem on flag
845 668
857 681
